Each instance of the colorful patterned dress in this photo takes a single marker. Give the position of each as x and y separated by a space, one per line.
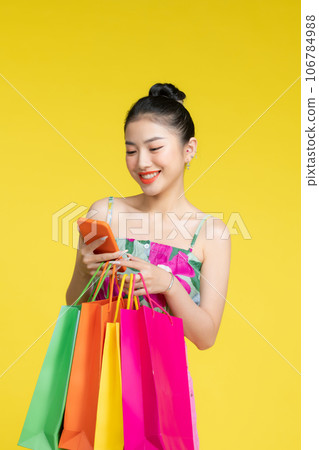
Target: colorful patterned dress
184 265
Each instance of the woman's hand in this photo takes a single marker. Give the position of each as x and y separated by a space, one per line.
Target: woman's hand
89 261
156 279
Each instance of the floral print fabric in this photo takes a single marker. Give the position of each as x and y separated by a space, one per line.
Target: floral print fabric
184 265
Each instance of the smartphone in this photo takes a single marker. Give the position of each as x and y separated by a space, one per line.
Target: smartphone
91 230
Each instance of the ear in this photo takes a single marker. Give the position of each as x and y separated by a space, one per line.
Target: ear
190 149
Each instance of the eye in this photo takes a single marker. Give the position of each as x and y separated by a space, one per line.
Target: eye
151 149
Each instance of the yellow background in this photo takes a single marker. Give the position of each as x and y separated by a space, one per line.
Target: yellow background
69 73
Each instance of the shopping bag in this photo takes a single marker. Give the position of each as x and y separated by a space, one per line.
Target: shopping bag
41 429
81 403
155 391
109 419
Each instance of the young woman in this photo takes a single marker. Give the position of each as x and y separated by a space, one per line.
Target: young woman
182 253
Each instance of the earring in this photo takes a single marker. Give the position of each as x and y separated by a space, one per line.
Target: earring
187 165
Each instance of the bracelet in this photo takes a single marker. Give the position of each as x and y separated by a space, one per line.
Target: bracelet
168 269
171 283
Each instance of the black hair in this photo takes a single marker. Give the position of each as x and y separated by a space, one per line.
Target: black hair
164 104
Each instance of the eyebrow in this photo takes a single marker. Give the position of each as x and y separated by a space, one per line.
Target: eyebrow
145 142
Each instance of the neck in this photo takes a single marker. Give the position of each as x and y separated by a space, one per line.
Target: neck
170 200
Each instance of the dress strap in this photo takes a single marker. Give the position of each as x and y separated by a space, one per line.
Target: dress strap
109 210
197 232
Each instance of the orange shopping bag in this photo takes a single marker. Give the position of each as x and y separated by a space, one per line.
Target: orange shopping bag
81 403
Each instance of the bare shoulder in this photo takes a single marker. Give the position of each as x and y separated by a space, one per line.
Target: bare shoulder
98 209
218 237
217 228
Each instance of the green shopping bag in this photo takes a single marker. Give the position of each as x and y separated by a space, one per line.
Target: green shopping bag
42 426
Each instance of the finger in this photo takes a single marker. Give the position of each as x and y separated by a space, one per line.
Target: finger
97 275
112 256
127 263
135 258
136 292
137 278
136 286
127 278
96 243
93 267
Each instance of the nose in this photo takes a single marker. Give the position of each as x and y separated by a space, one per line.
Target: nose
144 160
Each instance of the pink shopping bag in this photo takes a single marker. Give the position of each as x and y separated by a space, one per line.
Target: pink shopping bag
155 391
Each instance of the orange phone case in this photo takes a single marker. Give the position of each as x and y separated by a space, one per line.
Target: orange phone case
94 229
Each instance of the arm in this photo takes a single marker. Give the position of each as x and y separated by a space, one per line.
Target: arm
79 280
81 276
201 323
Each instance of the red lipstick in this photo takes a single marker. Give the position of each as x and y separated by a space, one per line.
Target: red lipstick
149 180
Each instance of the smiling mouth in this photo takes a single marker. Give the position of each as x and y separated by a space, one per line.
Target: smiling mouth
149 175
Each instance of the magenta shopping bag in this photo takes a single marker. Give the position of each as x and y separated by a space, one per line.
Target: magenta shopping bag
155 390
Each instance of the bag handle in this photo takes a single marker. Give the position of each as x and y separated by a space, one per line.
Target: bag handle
87 286
130 294
105 271
118 303
104 274
153 301
113 278
111 282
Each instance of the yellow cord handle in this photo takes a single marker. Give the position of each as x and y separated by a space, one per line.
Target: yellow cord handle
132 281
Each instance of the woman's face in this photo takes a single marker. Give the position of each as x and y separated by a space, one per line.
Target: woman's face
150 147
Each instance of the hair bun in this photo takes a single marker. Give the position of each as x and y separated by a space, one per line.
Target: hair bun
167 90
